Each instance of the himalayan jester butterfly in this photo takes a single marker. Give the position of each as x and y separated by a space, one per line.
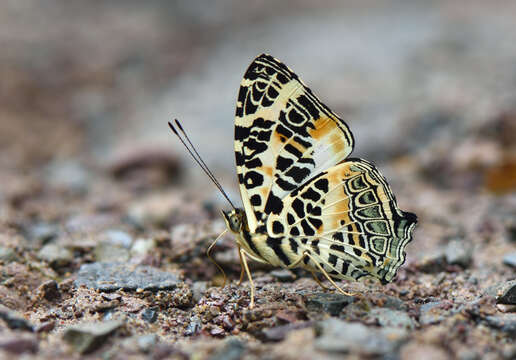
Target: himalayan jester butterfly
306 204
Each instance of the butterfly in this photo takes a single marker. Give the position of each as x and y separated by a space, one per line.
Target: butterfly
305 203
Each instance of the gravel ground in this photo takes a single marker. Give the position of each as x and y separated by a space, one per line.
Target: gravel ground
104 224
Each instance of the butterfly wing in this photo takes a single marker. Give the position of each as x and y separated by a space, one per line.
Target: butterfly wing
283 136
348 220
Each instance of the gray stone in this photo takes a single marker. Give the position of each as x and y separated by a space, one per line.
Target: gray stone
16 344
7 254
14 320
117 237
114 276
49 290
149 315
88 337
107 252
510 260
194 326
432 263
432 313
55 255
279 333
232 349
392 318
113 246
283 275
143 246
335 335
146 342
507 293
70 175
42 232
198 290
331 303
459 252
504 322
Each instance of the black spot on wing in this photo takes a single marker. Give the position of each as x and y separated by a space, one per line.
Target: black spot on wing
241 133
240 159
249 107
253 163
253 179
317 223
256 146
339 248
298 173
307 229
322 184
274 204
277 227
299 208
332 259
311 194
291 149
293 245
256 200
283 163
285 185
309 106
264 135
282 130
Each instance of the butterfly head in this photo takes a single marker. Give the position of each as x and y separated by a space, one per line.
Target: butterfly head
234 219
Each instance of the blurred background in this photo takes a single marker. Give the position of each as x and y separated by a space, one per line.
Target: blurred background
91 173
87 88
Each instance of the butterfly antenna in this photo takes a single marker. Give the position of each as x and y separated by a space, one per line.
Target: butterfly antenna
196 153
198 159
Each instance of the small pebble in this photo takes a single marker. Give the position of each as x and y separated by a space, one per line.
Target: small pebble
49 290
392 318
147 342
332 303
232 349
7 254
87 337
510 260
114 276
42 232
507 293
335 335
194 326
14 320
459 252
283 275
16 344
149 315
56 255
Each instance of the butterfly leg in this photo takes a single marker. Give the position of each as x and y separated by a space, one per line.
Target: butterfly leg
208 252
242 271
251 283
306 253
316 278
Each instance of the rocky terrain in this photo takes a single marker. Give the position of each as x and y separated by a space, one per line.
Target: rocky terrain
105 221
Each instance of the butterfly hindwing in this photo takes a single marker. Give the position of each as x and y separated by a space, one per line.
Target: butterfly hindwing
283 136
346 218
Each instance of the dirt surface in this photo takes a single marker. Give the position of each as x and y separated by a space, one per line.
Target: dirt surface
104 221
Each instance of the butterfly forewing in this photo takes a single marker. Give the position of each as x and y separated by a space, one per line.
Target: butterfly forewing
283 136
